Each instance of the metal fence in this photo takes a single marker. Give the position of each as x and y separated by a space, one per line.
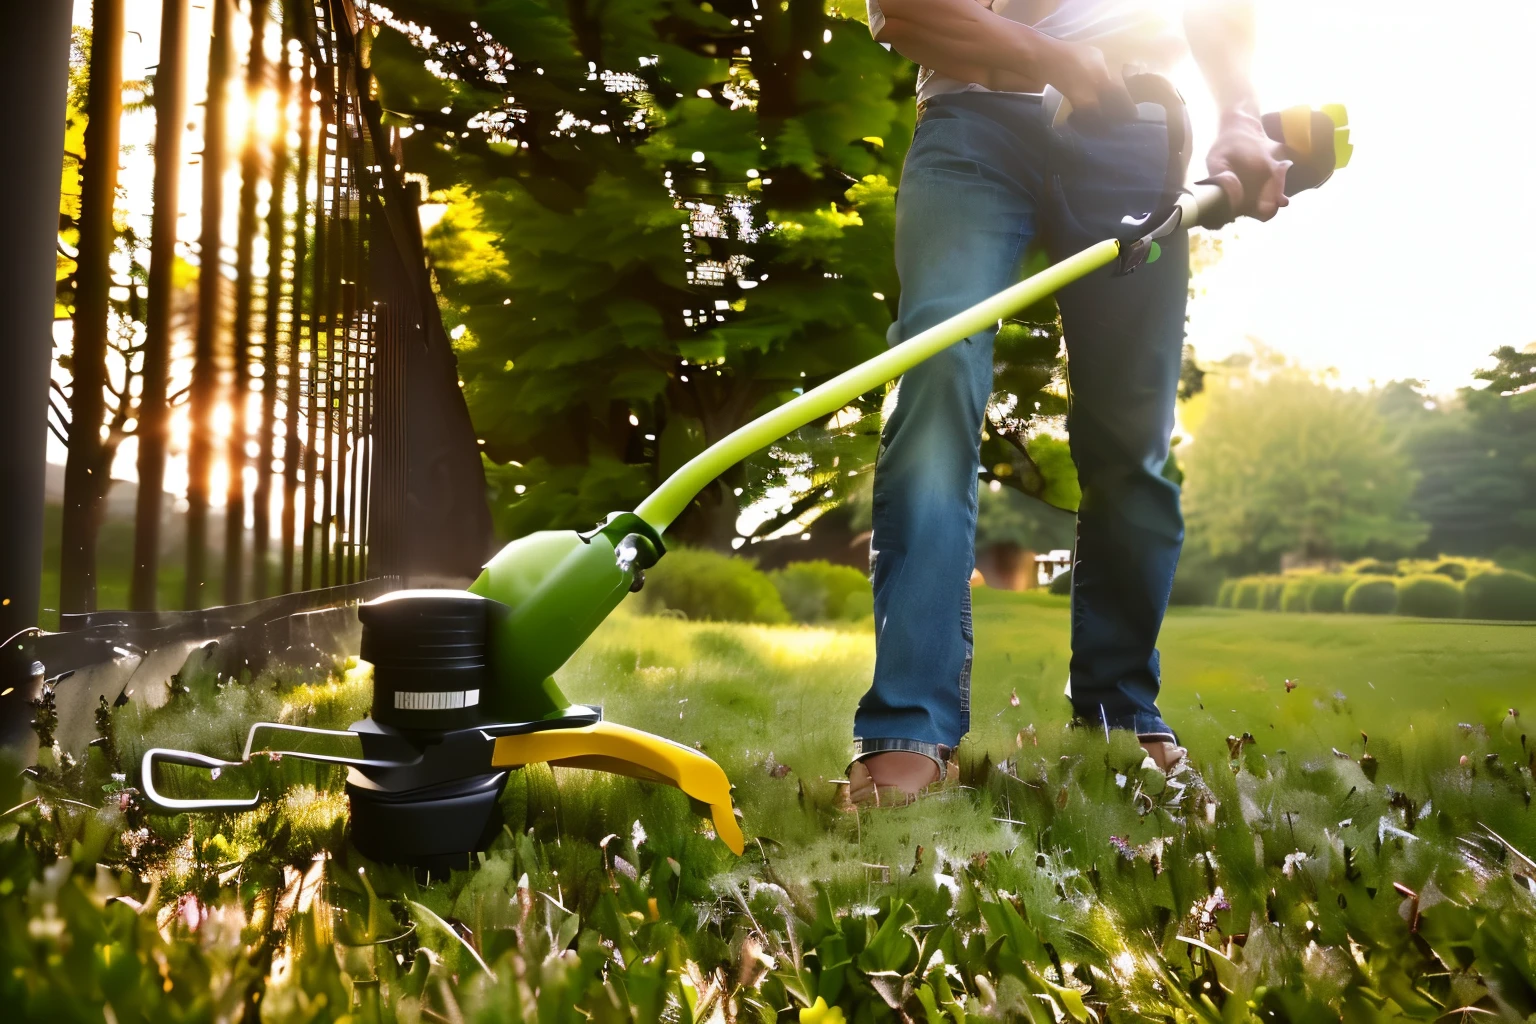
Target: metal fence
352 466
312 352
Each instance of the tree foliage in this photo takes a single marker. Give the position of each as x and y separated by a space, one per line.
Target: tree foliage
622 303
1477 458
1286 463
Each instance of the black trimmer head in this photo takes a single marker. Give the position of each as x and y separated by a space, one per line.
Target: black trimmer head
435 757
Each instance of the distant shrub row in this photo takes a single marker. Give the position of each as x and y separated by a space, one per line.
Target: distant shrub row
1447 589
707 585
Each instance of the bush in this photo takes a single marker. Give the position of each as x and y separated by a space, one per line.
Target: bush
1452 569
1456 567
1062 584
1297 595
1274 587
1225 594
1195 582
1430 596
1372 567
709 585
1501 594
1249 593
1327 593
820 591
1371 595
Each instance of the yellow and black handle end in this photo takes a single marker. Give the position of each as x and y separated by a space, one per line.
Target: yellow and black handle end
1316 141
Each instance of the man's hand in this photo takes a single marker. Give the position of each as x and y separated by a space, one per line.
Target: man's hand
1246 163
963 39
1079 72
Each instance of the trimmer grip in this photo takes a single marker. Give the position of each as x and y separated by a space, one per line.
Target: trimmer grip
1316 141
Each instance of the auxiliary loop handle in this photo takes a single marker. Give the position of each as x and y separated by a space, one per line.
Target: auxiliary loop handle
1150 88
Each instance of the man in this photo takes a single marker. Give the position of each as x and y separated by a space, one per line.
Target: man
985 177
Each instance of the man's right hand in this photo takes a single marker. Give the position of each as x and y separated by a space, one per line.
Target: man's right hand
1249 166
1079 72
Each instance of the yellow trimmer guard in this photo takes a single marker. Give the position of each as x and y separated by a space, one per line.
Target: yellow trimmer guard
620 750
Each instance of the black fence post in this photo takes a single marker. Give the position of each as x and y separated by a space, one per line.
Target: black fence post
34 69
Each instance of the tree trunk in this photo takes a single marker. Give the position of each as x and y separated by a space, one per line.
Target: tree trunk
154 413
205 374
86 474
34 66
314 496
242 427
271 315
295 454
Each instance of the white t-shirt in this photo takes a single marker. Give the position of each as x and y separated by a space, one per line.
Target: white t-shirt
1147 34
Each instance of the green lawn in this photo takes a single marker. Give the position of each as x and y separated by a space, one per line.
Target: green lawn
1059 881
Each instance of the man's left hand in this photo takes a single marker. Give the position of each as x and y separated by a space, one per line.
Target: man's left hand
1247 164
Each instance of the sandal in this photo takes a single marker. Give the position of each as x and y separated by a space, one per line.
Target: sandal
1164 751
905 776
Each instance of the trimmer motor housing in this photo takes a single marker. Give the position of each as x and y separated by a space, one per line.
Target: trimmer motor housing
427 648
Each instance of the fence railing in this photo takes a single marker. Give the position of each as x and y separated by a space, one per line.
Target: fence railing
312 375
308 357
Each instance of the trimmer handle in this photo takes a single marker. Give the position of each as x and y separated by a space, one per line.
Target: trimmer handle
1315 141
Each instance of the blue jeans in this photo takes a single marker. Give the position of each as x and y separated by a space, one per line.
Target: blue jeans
985 177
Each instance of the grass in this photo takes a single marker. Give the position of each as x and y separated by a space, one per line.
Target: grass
1340 862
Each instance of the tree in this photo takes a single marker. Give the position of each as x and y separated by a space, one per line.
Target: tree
1504 413
106 342
619 304
170 92
1283 463
204 390
1476 455
85 470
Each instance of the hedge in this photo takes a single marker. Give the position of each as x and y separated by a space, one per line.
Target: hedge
1501 594
1298 593
1249 593
1274 589
1371 595
1225 593
1062 584
1430 596
709 585
822 591
1328 592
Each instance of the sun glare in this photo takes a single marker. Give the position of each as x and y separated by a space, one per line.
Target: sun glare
265 117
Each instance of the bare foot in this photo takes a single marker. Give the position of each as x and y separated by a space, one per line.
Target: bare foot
891 777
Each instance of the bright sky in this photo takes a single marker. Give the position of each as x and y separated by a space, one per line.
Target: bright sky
1415 260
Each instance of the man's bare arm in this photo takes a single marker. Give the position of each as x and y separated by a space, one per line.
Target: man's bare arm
963 39
1243 160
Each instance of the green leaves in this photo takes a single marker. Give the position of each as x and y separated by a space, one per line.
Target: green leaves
596 263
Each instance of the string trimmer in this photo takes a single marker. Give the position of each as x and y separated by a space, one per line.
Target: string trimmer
463 687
